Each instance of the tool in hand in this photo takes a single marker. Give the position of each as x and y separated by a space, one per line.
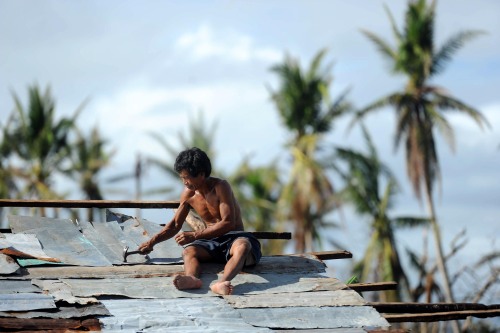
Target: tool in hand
126 253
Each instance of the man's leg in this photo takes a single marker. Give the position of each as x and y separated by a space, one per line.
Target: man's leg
240 252
192 256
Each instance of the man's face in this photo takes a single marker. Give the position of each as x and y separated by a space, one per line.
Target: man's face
192 183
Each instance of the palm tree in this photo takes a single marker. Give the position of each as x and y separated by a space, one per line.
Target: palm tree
199 135
39 141
88 160
303 102
421 106
364 179
257 190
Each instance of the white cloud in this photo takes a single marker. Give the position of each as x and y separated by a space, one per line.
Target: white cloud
205 43
469 134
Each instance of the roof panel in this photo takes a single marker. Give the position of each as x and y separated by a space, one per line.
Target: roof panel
310 299
313 317
186 315
25 302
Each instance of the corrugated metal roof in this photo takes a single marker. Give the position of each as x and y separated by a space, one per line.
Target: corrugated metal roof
281 292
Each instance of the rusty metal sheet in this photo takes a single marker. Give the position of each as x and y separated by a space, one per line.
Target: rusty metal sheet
314 317
62 312
17 286
26 302
60 239
62 292
182 315
309 299
7 265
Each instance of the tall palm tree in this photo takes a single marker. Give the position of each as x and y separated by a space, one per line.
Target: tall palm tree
364 178
39 141
420 107
303 102
88 159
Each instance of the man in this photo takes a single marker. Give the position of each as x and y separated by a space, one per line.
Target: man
223 240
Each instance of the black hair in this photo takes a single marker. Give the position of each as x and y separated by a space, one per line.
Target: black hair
194 161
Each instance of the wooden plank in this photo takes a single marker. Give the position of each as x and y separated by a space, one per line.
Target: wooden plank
328 255
412 307
373 286
89 203
272 235
441 316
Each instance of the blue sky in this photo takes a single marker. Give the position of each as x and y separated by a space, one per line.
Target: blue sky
153 65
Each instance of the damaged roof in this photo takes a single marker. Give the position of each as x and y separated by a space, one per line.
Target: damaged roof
56 273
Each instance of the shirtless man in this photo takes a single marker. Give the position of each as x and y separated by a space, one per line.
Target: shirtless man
224 239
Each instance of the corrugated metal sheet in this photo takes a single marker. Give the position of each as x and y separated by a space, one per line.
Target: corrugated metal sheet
62 292
186 315
18 286
8 265
314 317
26 302
281 292
62 312
310 299
61 239
25 245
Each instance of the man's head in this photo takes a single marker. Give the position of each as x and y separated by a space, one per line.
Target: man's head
195 161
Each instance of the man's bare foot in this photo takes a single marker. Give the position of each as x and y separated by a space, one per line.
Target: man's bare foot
222 288
186 282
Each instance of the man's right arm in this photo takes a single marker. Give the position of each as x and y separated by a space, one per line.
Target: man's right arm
170 229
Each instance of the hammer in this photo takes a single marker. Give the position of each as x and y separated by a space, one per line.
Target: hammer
126 253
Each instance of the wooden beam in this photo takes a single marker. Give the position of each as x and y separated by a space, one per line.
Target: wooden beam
272 235
328 255
89 203
441 316
374 286
412 307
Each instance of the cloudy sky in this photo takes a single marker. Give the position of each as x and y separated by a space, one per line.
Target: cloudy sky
153 65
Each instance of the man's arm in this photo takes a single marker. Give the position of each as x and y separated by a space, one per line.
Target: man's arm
227 213
170 229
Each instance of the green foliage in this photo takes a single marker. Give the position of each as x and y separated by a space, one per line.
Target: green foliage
304 105
364 176
39 141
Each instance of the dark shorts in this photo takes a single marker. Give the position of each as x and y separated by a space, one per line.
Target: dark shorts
219 247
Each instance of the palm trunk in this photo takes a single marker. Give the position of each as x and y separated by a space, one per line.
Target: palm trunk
448 293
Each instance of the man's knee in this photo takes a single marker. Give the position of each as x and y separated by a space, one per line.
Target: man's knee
241 246
193 251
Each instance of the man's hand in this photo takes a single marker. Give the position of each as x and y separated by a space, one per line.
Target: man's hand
183 238
146 247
